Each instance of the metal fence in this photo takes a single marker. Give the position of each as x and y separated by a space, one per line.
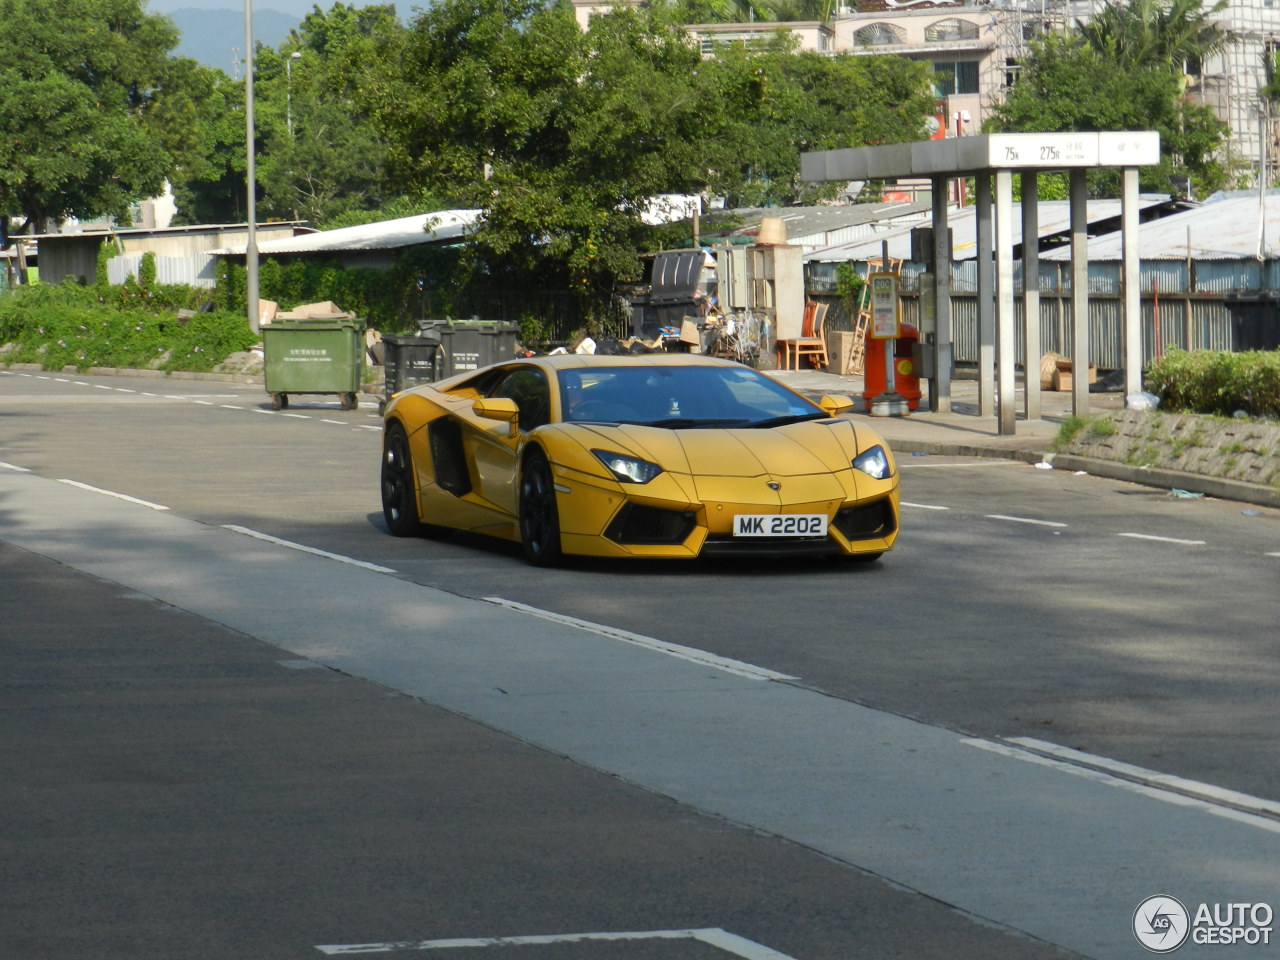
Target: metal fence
1196 305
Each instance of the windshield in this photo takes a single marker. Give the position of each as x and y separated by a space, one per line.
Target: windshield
680 397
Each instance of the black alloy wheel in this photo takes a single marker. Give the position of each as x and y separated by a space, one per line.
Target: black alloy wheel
539 516
399 501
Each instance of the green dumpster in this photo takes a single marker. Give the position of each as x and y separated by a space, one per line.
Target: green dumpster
314 356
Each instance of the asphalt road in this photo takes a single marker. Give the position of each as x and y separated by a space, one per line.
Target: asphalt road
314 795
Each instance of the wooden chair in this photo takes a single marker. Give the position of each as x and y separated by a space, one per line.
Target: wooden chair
811 343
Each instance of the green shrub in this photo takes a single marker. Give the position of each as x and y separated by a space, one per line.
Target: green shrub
66 325
1217 382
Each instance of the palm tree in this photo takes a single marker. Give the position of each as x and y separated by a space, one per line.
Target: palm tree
1169 33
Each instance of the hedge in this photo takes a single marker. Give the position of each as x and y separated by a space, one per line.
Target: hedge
1218 383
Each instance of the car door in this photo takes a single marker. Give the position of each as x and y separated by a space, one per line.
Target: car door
494 448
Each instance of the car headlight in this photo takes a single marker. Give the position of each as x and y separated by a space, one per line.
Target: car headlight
628 469
873 462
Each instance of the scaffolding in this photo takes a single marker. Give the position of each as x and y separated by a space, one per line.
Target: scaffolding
1228 82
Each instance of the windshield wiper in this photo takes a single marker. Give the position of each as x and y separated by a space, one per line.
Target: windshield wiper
683 423
791 418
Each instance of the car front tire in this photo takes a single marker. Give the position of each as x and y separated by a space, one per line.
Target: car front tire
399 498
539 515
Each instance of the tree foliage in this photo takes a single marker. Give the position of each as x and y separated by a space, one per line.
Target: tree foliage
1124 71
320 157
82 82
561 136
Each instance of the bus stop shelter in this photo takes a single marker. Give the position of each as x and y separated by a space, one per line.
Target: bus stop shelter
992 160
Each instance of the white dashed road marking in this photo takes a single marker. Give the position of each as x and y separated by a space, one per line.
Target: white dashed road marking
303 548
1149 536
112 493
1039 523
735 667
730 943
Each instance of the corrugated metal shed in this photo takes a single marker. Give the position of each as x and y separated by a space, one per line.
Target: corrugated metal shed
1224 227
386 235
1055 217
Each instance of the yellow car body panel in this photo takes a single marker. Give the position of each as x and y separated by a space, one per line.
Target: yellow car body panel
467 469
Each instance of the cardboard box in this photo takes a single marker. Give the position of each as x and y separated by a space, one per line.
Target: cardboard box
1063 376
844 365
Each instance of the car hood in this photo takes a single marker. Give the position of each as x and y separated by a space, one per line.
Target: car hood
798 449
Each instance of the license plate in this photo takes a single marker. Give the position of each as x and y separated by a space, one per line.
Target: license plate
780 525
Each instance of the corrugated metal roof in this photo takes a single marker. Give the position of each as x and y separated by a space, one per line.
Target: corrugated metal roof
386 235
1224 227
1054 217
812 226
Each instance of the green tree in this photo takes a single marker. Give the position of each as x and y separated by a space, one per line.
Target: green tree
80 85
321 157
209 177
1069 84
562 136
781 102
1172 34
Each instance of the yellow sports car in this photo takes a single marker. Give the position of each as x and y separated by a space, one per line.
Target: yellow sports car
658 455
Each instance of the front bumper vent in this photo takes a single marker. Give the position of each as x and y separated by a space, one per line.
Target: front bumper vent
650 526
868 521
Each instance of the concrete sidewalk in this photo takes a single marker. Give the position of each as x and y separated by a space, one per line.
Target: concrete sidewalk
963 433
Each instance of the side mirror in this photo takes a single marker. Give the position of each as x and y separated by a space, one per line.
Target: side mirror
499 408
836 405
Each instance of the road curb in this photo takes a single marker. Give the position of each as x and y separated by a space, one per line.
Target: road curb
1145 476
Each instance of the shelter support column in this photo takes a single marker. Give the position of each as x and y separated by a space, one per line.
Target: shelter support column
1079 293
1131 284
986 300
1031 294
1006 323
940 386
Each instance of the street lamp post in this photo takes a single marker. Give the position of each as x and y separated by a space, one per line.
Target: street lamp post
288 93
250 173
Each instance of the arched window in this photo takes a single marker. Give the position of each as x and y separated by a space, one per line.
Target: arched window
952 29
877 34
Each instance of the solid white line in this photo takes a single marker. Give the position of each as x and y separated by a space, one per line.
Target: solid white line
1090 772
1148 536
14 467
1039 523
736 667
305 549
713 936
112 493
1192 788
923 506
